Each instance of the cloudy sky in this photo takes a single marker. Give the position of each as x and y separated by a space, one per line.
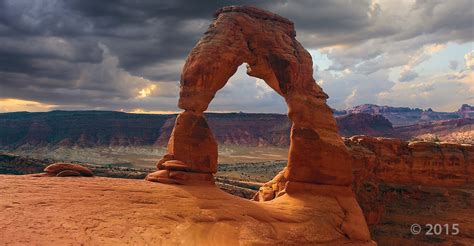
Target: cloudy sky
127 55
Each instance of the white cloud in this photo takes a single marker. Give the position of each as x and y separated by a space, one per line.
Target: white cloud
442 92
469 60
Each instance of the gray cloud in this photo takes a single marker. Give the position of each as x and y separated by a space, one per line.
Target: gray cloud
407 75
453 64
100 54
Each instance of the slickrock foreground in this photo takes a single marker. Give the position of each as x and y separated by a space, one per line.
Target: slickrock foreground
105 211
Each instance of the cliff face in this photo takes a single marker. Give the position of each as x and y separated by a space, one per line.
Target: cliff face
79 128
363 123
108 128
400 183
415 163
241 129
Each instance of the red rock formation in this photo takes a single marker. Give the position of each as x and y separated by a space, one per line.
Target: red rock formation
319 166
67 169
111 211
317 153
364 124
394 163
415 163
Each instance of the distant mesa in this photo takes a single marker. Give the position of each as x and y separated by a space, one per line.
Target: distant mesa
84 129
364 124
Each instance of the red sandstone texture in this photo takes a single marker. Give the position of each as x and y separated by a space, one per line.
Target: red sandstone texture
64 170
397 163
412 163
108 211
318 163
266 42
400 183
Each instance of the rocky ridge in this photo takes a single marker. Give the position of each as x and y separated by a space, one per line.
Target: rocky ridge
107 128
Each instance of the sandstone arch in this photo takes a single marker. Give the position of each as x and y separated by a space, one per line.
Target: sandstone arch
266 42
318 174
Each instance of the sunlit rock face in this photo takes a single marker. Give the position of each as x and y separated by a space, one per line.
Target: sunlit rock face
319 165
266 42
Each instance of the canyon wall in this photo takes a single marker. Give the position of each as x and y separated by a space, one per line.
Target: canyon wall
108 128
402 183
414 163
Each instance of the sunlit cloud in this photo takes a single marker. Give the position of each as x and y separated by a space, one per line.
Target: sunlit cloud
12 105
469 59
145 92
143 111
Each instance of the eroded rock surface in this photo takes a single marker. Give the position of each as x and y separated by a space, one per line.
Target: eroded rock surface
412 163
67 169
111 211
319 165
266 42
399 183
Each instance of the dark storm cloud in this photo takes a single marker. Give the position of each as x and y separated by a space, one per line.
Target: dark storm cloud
100 53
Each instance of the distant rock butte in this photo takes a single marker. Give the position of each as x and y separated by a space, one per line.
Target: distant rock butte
319 165
404 116
363 123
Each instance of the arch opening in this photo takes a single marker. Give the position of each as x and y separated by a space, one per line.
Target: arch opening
256 148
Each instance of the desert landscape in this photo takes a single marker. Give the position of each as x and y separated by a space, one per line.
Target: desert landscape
366 174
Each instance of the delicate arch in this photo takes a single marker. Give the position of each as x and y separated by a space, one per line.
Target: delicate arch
266 42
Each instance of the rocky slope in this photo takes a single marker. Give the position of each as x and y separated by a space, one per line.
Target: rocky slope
104 211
